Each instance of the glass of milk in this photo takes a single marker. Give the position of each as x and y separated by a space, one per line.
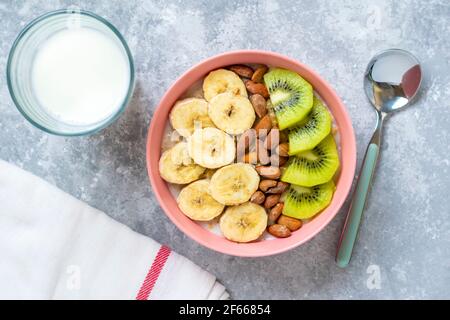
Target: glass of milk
70 72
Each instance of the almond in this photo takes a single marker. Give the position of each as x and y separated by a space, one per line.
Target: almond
264 185
283 161
263 154
271 201
277 161
283 149
283 137
279 231
257 88
259 73
247 140
258 197
279 188
263 126
250 157
275 212
241 70
259 104
272 139
269 172
291 223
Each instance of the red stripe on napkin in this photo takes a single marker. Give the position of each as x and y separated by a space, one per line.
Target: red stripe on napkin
153 273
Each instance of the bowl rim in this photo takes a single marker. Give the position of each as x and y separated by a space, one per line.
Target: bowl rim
114 31
253 249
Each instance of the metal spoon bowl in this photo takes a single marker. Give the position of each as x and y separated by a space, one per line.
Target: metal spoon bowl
392 80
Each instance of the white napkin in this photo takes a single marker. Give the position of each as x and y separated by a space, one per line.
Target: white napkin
53 246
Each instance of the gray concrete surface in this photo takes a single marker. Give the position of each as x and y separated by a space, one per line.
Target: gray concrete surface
406 230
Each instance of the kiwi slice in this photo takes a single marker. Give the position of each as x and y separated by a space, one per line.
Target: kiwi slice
290 94
305 202
313 167
309 132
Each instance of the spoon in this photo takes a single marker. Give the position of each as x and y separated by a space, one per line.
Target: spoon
391 81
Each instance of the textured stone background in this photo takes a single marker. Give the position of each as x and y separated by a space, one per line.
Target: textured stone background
406 226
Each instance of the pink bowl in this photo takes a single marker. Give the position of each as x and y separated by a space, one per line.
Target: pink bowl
265 247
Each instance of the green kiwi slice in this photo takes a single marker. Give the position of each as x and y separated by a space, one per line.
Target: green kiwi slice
290 94
309 132
305 202
313 167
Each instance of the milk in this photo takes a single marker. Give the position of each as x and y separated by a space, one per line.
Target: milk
80 76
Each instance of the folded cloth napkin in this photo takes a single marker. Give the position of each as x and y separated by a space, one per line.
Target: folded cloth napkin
53 246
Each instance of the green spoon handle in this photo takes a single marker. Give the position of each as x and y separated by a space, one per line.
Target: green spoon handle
351 226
